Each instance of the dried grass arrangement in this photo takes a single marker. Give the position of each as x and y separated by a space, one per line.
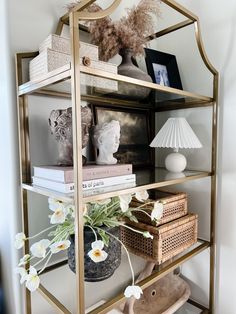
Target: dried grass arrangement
129 32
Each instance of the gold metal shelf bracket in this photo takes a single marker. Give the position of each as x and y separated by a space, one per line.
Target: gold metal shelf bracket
52 300
82 15
179 8
170 29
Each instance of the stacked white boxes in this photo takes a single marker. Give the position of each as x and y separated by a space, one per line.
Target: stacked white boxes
54 52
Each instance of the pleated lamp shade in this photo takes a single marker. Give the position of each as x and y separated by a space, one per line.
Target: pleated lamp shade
176 133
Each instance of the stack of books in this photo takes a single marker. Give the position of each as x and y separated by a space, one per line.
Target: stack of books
96 178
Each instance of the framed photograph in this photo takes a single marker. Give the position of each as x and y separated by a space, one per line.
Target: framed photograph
135 133
163 68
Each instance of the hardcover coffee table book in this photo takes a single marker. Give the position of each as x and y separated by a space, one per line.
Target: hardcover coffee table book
87 185
61 179
90 172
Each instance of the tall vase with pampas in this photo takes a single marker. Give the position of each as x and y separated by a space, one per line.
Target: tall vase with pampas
126 37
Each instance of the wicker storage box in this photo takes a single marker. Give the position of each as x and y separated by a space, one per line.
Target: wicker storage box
62 44
175 206
169 239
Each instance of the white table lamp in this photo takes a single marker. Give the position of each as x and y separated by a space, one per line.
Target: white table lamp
176 133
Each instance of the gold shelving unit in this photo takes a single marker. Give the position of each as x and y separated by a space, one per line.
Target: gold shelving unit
65 82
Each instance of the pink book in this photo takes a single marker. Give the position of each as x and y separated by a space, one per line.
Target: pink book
90 172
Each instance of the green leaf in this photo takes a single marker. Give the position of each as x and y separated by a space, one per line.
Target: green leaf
133 218
104 236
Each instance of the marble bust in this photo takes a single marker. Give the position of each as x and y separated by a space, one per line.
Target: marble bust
60 122
106 139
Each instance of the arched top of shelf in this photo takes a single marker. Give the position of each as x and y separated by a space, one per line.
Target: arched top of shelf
78 9
191 19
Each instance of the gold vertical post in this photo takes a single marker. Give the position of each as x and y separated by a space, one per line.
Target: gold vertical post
77 151
213 164
25 175
213 193
59 27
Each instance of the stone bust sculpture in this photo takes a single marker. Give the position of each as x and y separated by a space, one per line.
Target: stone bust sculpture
60 122
106 139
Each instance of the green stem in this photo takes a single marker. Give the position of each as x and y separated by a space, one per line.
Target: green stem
46 264
128 227
129 260
36 235
145 204
42 259
142 211
94 232
106 208
67 230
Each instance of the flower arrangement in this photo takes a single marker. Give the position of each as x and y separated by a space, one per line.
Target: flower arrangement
109 212
129 32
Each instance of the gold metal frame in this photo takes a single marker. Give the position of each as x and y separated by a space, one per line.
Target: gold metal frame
73 72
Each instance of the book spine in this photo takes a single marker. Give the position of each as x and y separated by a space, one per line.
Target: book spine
109 188
53 185
62 176
86 185
103 182
104 172
89 173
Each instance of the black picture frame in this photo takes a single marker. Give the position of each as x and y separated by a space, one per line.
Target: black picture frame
135 133
157 61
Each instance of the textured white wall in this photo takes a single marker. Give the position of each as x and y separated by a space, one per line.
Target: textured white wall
30 22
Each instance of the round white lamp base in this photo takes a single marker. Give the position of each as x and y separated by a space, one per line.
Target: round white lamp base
175 162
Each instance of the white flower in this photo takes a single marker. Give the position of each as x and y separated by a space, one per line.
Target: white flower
133 291
23 273
59 209
24 260
147 235
32 279
70 209
20 240
157 211
53 203
124 202
97 254
39 249
141 196
59 246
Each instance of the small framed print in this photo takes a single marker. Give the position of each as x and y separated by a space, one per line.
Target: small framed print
163 68
135 133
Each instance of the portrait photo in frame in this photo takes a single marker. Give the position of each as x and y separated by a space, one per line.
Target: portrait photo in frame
163 68
135 133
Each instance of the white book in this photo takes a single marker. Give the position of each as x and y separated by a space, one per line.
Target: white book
89 172
87 185
110 188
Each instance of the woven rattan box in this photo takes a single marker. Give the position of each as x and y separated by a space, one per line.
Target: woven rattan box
174 206
168 240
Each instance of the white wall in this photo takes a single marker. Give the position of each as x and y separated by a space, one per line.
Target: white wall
218 23
218 28
9 206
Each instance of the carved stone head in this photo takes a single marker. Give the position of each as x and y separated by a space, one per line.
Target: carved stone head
60 122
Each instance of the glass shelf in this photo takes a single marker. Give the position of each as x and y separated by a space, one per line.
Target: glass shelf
146 179
111 87
188 308
158 273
